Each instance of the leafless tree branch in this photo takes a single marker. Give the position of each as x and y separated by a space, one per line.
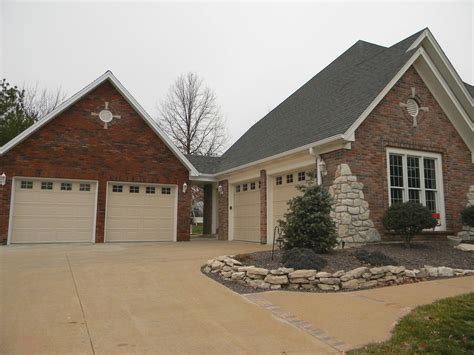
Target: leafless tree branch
39 102
191 116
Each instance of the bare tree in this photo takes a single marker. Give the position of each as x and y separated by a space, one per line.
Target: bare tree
39 102
191 116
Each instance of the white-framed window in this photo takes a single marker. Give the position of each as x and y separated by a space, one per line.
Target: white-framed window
150 190
66 186
289 178
166 190
117 188
278 180
134 189
416 176
46 185
245 187
302 176
26 184
237 188
84 187
252 186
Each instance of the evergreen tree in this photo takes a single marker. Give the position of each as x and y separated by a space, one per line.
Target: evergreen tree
13 117
307 223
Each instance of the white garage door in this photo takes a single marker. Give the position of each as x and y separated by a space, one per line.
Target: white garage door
53 211
247 212
137 212
284 189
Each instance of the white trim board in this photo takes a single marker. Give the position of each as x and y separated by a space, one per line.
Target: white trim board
128 97
439 178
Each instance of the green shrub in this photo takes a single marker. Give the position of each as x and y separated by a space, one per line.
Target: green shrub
374 258
408 219
467 216
303 258
307 223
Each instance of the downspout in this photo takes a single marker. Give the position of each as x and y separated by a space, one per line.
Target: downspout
312 152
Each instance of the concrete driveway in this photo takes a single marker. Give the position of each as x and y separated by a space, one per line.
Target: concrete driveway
152 298
133 298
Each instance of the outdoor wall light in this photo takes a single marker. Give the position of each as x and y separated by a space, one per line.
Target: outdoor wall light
185 187
3 179
220 188
322 168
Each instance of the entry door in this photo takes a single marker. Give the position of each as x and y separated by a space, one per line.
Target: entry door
53 210
139 212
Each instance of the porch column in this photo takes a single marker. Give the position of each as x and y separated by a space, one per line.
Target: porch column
207 213
223 230
263 207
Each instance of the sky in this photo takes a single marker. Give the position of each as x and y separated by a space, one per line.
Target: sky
253 55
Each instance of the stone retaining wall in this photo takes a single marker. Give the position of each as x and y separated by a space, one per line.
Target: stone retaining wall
359 278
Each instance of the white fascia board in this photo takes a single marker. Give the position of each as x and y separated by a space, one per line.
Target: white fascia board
284 154
446 87
420 52
128 97
439 51
152 123
66 104
351 131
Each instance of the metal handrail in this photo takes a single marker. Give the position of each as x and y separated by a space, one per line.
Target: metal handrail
276 230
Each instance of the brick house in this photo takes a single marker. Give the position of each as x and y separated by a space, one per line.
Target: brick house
380 125
68 179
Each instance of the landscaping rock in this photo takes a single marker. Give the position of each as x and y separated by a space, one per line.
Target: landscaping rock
432 271
259 284
238 275
216 265
276 280
323 274
354 274
329 281
350 285
299 280
302 273
325 287
465 247
445 271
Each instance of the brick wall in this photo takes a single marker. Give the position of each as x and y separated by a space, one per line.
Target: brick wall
75 145
387 126
223 211
263 206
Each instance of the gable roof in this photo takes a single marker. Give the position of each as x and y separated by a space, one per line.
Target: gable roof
331 104
205 164
128 97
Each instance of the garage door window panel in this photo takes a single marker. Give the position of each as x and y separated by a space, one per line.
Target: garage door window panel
66 186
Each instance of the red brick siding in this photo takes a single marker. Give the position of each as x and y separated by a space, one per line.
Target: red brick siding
75 145
223 211
386 127
263 206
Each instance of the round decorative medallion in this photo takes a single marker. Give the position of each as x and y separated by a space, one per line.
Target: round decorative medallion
412 107
106 116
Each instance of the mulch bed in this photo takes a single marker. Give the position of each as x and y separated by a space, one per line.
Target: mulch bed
436 253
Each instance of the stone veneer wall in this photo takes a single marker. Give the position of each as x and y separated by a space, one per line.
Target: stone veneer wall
467 233
350 209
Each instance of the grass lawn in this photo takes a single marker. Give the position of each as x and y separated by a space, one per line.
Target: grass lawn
197 229
443 327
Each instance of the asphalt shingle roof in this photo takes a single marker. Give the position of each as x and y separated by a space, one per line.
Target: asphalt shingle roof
204 164
327 105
